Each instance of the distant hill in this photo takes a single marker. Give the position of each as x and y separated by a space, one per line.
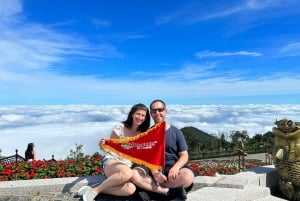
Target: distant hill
190 130
198 140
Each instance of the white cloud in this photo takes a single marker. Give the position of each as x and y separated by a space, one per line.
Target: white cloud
56 129
195 12
45 86
292 49
208 53
27 46
43 48
9 8
101 23
261 4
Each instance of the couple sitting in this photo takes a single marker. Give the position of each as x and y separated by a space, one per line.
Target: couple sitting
122 177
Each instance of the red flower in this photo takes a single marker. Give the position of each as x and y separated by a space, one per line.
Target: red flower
32 174
92 167
3 179
7 172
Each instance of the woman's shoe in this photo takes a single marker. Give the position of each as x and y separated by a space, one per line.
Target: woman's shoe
89 195
83 189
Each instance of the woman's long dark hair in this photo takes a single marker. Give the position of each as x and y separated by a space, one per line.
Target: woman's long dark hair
129 121
28 152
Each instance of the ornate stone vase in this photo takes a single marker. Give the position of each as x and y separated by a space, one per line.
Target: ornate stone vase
286 156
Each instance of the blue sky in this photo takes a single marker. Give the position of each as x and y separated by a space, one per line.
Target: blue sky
123 52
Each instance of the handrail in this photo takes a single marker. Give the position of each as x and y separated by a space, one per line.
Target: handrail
13 158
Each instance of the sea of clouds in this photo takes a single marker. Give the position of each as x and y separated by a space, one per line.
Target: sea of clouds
55 129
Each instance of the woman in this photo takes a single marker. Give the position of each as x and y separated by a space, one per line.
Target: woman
30 153
117 169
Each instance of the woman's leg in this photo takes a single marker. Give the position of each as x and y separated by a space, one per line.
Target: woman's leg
125 189
116 174
117 182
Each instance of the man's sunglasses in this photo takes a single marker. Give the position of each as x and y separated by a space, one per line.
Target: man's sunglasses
157 110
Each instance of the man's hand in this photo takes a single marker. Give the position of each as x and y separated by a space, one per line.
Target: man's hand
159 177
173 173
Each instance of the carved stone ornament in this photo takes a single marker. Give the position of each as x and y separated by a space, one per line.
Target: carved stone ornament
286 156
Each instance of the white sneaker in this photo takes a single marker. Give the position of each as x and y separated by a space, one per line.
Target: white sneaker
89 195
83 189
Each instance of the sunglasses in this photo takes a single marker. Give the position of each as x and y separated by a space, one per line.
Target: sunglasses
157 110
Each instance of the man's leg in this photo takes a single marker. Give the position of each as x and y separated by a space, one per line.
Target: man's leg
184 179
177 187
174 189
141 179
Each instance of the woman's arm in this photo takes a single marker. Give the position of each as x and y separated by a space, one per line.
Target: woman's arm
112 136
34 154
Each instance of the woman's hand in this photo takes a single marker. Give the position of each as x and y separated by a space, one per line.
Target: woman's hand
101 143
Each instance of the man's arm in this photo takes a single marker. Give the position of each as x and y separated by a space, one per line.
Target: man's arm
174 171
183 159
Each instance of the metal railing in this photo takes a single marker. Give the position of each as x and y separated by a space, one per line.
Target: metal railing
11 159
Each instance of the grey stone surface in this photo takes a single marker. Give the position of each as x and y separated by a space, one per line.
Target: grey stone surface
206 181
238 181
252 185
45 186
228 194
270 198
268 176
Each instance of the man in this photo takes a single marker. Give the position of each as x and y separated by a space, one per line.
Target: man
176 176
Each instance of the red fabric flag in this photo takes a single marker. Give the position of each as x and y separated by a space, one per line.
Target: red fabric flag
146 149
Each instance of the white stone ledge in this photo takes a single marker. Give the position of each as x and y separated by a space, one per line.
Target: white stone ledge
44 186
252 185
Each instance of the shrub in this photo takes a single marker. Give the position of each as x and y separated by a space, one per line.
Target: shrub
50 169
92 167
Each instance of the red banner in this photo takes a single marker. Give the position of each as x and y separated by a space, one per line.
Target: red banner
146 149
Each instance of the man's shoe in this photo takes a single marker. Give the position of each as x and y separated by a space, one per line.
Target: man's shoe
177 193
144 196
177 199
